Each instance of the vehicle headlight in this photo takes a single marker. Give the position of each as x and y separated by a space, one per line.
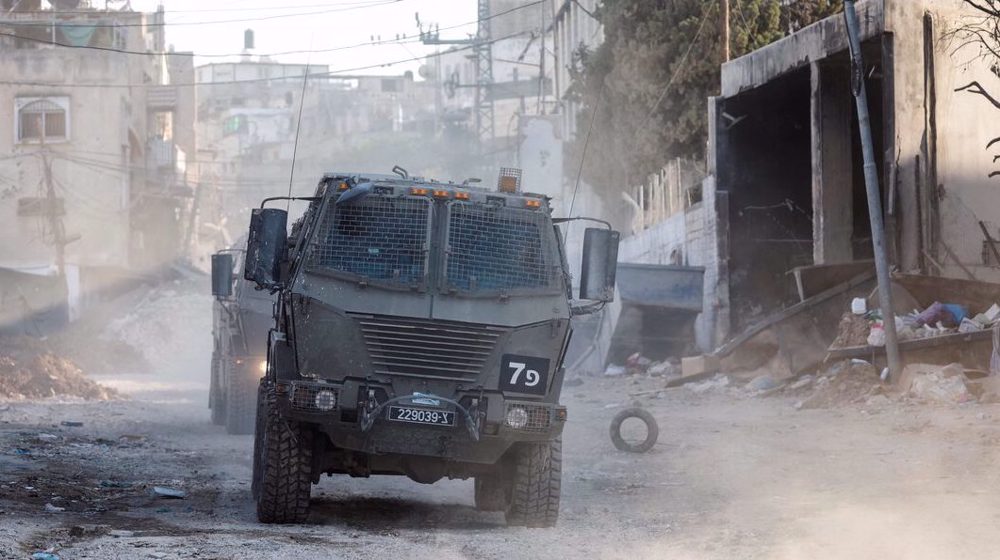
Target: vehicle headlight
325 400
262 366
517 418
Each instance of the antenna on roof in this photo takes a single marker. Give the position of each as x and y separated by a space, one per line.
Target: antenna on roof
298 128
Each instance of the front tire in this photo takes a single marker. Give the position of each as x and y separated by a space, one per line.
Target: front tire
282 466
536 485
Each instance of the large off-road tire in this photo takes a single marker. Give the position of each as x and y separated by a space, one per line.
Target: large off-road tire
215 401
241 403
491 493
536 484
283 465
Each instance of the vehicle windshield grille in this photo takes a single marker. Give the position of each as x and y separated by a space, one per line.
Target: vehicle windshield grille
378 238
497 249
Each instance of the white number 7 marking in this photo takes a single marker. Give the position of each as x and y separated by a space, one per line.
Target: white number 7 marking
531 377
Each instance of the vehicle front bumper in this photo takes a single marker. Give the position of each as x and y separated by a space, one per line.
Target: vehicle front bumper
359 421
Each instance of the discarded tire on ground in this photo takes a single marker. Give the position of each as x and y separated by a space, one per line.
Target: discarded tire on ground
652 430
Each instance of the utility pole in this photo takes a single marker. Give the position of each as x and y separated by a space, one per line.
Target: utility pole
724 28
483 55
872 188
53 213
484 78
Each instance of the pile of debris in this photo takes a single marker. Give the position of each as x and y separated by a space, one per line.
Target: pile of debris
859 382
862 327
29 371
637 364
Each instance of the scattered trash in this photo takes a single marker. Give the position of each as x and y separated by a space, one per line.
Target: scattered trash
71 423
21 451
652 431
637 363
115 484
877 335
720 381
762 383
614 371
54 509
859 306
47 437
172 493
120 533
936 313
44 556
78 531
664 369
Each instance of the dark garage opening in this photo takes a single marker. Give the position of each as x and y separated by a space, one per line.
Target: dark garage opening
766 166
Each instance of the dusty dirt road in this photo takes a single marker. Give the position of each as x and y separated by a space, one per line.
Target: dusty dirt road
732 477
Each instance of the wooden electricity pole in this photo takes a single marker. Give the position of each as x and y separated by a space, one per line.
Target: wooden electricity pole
724 28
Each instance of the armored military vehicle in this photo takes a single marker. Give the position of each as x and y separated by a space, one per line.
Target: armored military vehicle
420 330
241 318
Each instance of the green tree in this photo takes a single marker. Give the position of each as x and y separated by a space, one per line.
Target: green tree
800 13
650 79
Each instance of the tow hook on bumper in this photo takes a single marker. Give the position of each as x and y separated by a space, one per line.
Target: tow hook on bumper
373 409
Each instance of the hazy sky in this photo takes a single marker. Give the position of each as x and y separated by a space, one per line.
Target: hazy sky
320 24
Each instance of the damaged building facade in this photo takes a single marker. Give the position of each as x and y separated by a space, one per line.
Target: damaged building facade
93 181
786 191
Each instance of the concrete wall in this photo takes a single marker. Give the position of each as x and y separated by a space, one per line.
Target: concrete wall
943 158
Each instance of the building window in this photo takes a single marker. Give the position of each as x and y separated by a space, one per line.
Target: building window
42 119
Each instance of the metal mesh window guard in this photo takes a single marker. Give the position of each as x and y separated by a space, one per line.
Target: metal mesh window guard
493 249
378 238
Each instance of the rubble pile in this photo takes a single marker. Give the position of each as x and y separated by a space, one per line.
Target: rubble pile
849 382
30 372
860 327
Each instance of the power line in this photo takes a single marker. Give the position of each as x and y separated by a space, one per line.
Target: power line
330 73
210 55
193 23
210 10
307 51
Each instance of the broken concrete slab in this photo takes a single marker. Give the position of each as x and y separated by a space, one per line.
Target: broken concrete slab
699 365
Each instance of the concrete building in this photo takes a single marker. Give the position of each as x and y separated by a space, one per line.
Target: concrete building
573 27
248 119
786 185
93 187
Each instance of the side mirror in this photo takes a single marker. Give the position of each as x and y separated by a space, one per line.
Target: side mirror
222 275
266 246
600 262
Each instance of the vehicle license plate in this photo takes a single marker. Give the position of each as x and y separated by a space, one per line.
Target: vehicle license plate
421 416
